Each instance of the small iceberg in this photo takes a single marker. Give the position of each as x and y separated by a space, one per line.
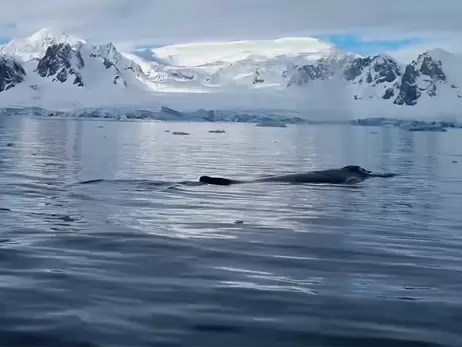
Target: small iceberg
217 131
271 123
423 126
428 128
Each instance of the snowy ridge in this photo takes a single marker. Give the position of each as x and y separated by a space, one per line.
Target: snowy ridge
230 66
57 71
35 46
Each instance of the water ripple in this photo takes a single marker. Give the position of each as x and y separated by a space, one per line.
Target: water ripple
108 239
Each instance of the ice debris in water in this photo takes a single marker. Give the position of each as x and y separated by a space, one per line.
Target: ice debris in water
271 123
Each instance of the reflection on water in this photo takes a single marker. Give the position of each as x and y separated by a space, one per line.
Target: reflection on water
142 255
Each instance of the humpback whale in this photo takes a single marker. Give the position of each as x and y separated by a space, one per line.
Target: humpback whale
345 175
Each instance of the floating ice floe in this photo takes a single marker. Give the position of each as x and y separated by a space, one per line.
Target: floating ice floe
271 123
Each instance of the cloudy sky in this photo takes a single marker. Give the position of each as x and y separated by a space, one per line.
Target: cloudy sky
402 27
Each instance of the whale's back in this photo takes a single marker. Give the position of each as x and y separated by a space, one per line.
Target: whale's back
326 176
347 174
219 181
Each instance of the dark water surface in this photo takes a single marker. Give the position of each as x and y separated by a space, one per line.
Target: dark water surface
138 259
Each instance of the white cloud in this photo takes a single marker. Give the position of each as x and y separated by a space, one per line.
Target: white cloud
449 41
172 21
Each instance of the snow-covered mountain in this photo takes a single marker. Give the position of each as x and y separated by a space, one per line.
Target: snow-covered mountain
230 66
56 70
35 46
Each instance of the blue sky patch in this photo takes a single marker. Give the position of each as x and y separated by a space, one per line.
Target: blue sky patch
354 43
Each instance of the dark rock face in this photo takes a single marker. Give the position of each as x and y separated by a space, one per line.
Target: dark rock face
431 72
55 57
310 72
432 68
356 68
257 78
389 93
11 73
387 71
180 76
119 78
380 69
107 63
408 91
57 63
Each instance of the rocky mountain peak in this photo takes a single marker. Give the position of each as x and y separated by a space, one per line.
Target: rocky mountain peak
58 57
113 60
11 73
35 46
60 62
373 70
421 76
430 67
